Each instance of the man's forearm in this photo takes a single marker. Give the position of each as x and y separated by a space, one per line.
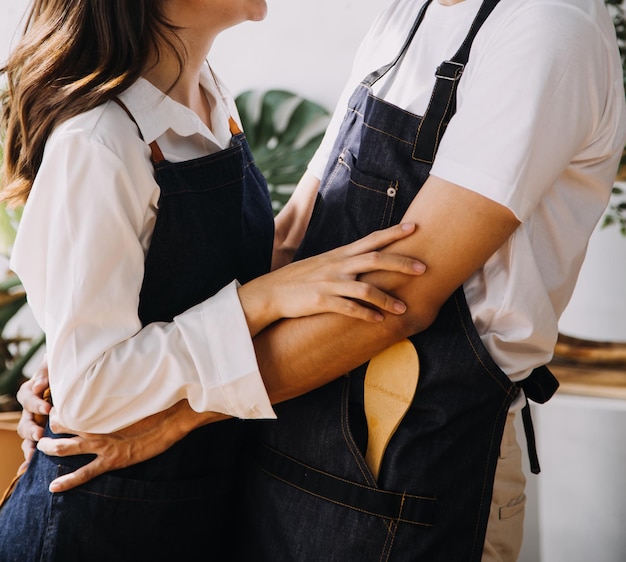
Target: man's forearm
296 356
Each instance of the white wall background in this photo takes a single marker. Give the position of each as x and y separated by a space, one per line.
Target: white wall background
307 47
10 15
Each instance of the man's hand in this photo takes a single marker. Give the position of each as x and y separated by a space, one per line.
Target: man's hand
131 445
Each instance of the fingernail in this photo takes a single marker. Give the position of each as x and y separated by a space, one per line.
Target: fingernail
399 306
379 317
408 226
419 267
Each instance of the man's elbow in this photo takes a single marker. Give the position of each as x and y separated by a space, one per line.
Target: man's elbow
413 321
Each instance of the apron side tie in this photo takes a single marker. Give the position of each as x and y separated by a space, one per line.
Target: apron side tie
539 387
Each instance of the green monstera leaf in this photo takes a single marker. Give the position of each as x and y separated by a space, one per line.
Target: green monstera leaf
283 130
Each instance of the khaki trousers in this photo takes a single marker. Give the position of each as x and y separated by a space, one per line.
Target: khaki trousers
505 528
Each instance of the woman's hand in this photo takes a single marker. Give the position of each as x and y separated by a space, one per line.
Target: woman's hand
35 411
329 283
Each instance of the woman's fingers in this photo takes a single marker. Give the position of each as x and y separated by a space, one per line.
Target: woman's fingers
28 449
379 239
363 301
27 428
30 396
378 261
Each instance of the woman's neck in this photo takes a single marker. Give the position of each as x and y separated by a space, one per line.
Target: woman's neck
182 84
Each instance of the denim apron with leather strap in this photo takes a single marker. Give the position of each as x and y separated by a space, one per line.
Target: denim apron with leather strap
311 493
214 224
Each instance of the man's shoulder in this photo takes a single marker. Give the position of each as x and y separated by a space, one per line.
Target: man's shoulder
559 16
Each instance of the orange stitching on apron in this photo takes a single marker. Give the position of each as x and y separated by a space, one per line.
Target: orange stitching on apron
388 134
438 135
331 178
504 407
334 501
384 555
509 391
347 435
393 528
335 477
361 186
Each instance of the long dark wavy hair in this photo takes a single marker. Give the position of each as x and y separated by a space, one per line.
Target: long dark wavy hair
73 56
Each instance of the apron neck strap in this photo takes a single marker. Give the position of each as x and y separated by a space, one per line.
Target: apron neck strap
442 105
375 76
234 127
155 149
462 55
460 58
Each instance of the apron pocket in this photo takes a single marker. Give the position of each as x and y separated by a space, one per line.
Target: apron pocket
370 201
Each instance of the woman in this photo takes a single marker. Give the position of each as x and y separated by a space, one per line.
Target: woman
144 213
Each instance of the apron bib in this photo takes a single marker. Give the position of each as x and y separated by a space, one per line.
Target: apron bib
214 224
311 494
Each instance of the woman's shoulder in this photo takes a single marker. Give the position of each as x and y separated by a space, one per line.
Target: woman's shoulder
106 125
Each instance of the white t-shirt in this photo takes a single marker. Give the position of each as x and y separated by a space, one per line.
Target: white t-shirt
539 128
80 254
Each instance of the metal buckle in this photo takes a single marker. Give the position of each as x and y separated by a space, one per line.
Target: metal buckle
449 70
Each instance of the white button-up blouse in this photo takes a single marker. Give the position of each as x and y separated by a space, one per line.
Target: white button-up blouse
80 253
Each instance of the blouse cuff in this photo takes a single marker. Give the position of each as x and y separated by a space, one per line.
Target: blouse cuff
224 357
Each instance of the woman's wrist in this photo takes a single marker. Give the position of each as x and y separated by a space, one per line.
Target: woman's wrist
258 304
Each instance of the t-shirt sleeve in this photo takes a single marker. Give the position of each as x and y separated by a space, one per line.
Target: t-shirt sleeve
527 107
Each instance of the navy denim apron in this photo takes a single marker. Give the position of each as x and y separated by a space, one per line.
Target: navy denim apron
214 224
311 495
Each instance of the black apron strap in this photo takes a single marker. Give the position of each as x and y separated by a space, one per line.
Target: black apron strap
372 78
539 387
442 105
